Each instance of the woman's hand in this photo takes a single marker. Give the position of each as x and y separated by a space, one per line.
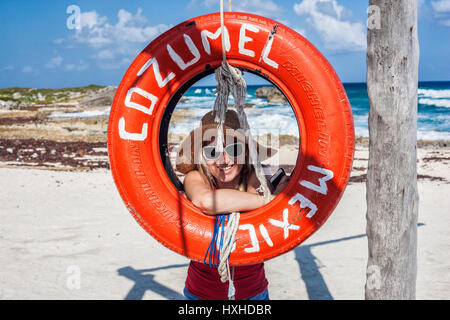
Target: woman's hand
228 200
252 202
283 182
218 201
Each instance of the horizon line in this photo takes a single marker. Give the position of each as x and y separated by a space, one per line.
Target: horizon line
202 86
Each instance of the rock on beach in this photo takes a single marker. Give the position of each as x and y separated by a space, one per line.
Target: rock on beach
273 95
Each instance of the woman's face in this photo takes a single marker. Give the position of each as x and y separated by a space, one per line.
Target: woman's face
226 168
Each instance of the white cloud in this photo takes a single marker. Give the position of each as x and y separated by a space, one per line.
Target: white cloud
115 64
441 6
93 29
105 55
300 31
28 69
82 65
441 11
96 31
266 8
114 42
330 20
54 62
58 41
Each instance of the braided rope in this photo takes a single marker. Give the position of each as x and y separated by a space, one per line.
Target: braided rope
230 80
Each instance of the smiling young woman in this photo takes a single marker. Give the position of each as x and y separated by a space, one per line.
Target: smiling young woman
222 182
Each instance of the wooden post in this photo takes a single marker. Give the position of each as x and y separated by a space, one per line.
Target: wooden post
392 198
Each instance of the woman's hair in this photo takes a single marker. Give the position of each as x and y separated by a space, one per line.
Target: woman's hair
246 170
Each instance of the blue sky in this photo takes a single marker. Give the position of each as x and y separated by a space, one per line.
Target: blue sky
40 51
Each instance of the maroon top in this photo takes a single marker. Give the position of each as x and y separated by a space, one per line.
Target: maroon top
204 281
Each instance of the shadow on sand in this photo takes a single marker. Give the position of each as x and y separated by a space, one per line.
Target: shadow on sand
316 286
145 280
309 268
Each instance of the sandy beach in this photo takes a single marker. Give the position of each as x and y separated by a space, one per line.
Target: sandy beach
65 234
89 89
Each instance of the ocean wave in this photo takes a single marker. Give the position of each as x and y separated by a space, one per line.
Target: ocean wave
275 124
435 102
197 103
362 132
257 102
421 135
360 120
433 93
183 127
437 117
197 98
81 114
433 135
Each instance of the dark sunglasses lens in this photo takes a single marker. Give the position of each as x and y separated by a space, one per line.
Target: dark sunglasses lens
234 150
210 153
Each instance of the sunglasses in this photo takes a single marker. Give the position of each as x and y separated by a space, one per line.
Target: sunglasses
233 151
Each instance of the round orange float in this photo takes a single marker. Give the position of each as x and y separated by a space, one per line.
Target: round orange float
148 94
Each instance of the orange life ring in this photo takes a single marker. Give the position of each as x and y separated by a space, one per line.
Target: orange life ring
148 93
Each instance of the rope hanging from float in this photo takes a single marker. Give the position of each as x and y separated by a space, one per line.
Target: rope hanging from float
229 80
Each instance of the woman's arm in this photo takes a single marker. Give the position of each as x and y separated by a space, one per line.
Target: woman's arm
218 201
253 184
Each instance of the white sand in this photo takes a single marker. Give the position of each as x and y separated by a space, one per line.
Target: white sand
55 223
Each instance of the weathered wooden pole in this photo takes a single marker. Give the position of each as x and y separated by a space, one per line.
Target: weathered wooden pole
392 198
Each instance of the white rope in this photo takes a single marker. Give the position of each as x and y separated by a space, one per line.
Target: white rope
228 242
222 27
230 80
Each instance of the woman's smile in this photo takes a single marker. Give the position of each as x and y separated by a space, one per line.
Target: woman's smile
225 172
226 168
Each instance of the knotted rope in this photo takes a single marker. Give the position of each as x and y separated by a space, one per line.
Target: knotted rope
230 80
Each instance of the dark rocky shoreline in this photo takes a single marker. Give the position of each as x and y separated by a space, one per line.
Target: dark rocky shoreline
52 154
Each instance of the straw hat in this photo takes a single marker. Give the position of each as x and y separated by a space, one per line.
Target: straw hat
191 146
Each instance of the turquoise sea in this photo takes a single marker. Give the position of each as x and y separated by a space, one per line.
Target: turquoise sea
433 111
